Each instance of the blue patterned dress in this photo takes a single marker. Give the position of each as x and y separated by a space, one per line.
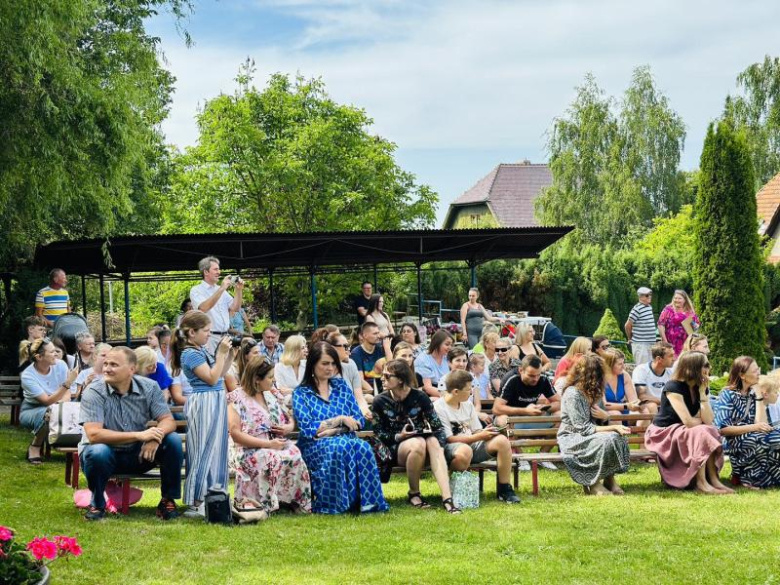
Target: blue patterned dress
343 469
755 457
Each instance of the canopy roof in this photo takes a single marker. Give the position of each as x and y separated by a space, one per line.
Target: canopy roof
180 252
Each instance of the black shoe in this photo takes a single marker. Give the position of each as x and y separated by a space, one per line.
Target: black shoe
166 510
95 514
507 494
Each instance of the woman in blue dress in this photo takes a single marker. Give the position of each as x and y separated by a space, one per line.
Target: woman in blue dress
752 443
344 475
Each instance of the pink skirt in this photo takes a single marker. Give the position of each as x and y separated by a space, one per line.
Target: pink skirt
682 451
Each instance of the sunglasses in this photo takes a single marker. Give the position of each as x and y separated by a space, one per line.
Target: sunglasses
344 345
502 349
386 376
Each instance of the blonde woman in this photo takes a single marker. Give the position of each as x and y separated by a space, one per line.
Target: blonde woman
620 395
148 367
578 349
525 345
289 370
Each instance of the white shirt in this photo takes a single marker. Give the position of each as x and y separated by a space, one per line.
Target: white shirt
220 312
35 384
464 417
645 376
285 375
350 373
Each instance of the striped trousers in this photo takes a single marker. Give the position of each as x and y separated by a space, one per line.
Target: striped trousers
207 445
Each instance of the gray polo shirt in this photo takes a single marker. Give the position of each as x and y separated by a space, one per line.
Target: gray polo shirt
124 413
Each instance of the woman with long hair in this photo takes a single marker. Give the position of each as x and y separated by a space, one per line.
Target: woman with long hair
593 454
269 467
205 408
432 366
292 364
751 442
407 424
409 334
376 314
578 349
677 321
525 345
682 435
344 473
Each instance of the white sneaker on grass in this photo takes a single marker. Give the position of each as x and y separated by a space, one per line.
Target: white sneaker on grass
195 511
524 466
548 465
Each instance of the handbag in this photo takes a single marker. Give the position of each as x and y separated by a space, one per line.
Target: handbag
217 505
64 427
464 486
383 456
248 515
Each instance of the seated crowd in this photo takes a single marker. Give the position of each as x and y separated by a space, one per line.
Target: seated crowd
285 417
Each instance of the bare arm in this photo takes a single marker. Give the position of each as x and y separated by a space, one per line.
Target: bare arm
208 304
463 310
678 404
245 439
662 333
238 289
629 327
429 389
177 395
212 375
97 434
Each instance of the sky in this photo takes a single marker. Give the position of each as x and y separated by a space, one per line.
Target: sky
461 86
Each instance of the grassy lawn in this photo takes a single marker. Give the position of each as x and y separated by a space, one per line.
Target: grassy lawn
652 534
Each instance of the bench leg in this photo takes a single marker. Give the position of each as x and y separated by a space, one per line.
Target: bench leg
74 479
125 496
535 477
68 465
516 471
15 412
481 473
47 449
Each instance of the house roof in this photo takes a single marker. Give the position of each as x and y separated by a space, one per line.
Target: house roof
509 190
768 204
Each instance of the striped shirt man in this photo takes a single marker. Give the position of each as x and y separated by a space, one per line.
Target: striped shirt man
643 320
50 303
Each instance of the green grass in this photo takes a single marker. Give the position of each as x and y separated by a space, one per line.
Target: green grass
651 535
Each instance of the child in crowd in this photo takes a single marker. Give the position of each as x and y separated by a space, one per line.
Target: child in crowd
480 384
459 362
467 441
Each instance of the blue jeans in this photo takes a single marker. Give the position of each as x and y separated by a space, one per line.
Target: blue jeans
101 461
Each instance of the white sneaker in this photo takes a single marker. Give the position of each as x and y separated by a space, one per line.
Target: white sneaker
524 466
548 465
195 511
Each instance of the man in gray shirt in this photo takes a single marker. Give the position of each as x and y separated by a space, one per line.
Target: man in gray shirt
114 413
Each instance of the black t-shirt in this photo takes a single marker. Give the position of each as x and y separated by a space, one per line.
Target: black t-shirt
518 394
666 416
360 302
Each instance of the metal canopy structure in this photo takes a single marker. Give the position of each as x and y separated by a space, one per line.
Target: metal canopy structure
175 256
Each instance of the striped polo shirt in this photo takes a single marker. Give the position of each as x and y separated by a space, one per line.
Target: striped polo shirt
53 302
644 323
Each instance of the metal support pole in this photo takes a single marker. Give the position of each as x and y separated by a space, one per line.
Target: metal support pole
376 281
273 297
314 298
84 295
473 267
102 308
127 309
419 293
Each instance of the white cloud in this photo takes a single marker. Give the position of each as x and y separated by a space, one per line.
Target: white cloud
489 74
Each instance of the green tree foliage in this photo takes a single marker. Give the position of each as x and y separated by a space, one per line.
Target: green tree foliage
81 93
290 159
610 327
728 264
757 111
614 165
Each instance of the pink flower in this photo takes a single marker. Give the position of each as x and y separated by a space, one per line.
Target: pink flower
68 545
42 548
6 534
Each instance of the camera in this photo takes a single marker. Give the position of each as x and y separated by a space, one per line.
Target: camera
235 340
236 279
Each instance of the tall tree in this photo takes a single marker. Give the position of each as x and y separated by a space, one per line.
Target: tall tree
81 94
757 110
614 165
289 158
728 275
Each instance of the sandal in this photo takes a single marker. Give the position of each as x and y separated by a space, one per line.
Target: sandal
34 460
421 504
450 506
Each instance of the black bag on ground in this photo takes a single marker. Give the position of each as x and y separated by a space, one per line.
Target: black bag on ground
217 504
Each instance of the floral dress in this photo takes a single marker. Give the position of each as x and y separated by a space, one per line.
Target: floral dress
755 457
267 477
672 320
344 473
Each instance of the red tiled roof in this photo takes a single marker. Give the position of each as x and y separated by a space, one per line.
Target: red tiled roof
510 191
768 203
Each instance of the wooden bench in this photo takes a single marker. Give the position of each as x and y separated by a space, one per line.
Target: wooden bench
11 396
535 438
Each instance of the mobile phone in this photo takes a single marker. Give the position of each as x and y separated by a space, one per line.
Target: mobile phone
643 402
545 407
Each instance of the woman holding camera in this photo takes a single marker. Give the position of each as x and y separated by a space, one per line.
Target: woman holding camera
344 474
682 435
205 408
407 424
269 468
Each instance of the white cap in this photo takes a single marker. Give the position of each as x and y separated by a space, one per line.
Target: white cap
643 290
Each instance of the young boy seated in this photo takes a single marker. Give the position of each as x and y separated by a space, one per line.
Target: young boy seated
467 441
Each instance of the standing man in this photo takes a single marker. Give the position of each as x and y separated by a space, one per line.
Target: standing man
214 300
640 326
114 413
53 300
361 303
271 348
